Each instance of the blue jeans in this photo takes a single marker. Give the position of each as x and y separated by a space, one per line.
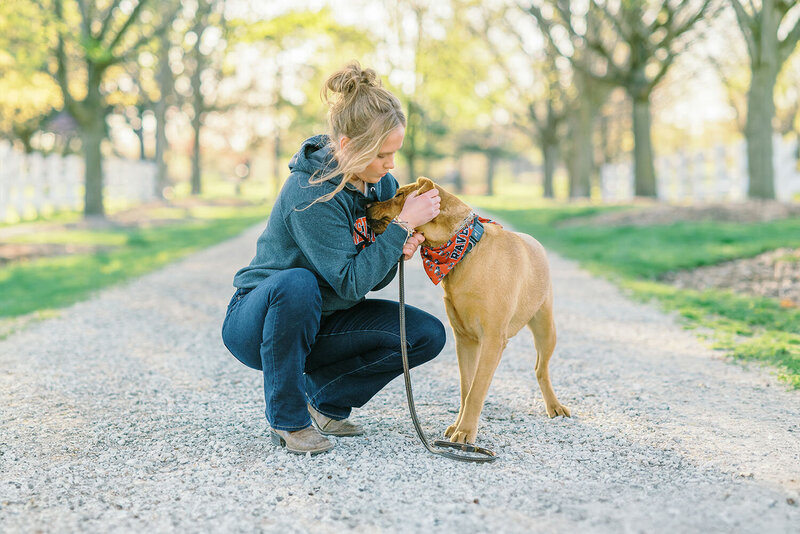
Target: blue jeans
334 363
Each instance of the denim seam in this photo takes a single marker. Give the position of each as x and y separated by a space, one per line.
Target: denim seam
350 332
272 364
353 371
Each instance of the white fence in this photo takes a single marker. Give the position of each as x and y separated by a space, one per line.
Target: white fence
35 184
717 174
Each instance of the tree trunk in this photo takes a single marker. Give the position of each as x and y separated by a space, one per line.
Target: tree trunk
458 176
140 136
276 169
165 82
758 132
580 178
490 168
197 184
410 145
92 137
93 128
644 169
550 157
198 106
161 147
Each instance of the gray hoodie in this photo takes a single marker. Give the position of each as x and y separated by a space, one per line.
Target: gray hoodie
331 239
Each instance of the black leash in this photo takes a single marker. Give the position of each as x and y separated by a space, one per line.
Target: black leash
473 453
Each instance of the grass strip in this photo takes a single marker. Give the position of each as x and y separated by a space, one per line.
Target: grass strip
749 328
55 282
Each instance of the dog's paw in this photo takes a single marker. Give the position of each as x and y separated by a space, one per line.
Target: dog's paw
556 408
464 435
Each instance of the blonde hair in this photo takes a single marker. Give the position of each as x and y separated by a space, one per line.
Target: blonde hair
361 109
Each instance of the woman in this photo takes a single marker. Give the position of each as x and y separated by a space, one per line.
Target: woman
299 313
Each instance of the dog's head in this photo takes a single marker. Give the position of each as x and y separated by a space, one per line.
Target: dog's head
452 212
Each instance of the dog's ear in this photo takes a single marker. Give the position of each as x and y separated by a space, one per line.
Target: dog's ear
424 184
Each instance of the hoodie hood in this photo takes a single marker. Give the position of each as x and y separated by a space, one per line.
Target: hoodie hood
315 154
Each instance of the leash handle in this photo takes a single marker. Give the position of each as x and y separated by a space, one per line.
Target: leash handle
485 454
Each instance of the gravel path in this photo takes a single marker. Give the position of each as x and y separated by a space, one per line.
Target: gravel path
126 413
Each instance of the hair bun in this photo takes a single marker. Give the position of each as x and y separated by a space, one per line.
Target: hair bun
349 79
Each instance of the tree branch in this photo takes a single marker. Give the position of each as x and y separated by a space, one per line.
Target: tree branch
165 24
614 20
109 16
692 20
787 45
86 24
131 19
61 57
546 27
746 23
661 71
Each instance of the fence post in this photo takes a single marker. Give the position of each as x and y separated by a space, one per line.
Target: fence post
787 180
37 179
5 178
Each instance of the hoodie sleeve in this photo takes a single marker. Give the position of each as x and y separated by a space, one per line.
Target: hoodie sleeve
323 234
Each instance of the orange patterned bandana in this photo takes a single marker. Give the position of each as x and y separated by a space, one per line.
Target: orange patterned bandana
441 260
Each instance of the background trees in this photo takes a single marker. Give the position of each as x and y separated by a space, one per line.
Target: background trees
762 24
89 42
629 44
206 88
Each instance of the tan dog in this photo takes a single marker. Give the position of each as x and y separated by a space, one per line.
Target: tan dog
501 285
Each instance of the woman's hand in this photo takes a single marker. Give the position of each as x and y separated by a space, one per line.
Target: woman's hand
412 244
419 209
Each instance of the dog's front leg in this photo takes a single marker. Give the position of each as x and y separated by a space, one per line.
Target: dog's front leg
467 352
491 349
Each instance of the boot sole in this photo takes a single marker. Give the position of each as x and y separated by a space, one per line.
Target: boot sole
280 442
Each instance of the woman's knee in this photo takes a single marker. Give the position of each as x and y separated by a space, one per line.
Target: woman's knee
296 288
430 335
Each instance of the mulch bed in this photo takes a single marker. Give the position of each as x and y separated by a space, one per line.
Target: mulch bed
774 274
649 214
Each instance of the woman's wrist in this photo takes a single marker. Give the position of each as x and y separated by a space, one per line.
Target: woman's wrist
405 225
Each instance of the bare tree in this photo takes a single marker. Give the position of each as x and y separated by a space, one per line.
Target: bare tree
105 38
633 45
166 81
208 29
761 25
538 109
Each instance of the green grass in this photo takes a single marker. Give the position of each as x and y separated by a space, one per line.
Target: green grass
749 328
55 282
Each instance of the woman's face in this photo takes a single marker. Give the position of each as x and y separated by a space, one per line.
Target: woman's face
384 161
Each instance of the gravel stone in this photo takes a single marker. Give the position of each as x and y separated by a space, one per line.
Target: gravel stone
127 414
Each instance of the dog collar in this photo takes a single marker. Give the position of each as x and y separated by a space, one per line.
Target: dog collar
440 260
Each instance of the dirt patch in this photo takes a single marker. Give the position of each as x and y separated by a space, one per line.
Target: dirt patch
750 211
774 274
142 216
26 251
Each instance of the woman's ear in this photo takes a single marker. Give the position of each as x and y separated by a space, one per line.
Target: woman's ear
343 140
424 184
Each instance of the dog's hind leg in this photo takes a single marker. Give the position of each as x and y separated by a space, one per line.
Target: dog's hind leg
491 349
467 352
544 338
